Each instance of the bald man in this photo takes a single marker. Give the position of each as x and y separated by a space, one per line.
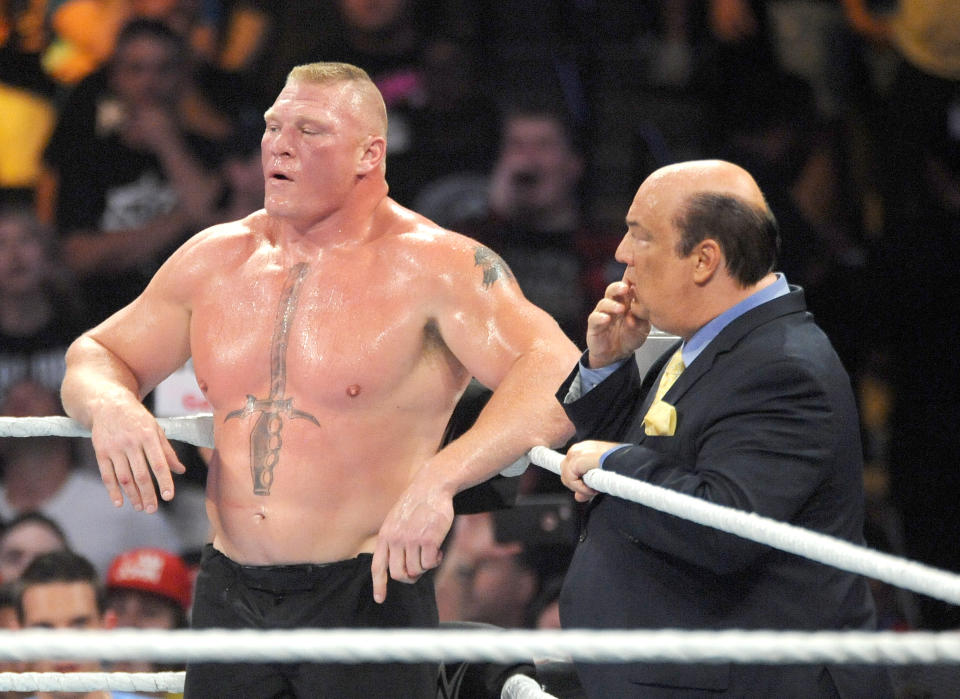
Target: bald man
751 409
333 332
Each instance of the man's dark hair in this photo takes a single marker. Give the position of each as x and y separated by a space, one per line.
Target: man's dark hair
36 517
545 110
152 28
748 235
59 567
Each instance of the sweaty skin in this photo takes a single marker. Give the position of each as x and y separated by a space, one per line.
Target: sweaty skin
333 331
344 456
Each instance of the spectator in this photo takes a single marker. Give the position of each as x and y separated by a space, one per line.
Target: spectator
25 537
496 564
41 473
132 178
536 222
483 580
39 312
61 590
148 588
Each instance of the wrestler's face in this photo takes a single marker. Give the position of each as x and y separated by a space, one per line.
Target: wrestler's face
62 605
658 276
312 150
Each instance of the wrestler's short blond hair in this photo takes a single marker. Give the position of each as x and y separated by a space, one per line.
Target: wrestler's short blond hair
329 72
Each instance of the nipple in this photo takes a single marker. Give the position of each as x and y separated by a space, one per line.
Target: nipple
203 385
353 390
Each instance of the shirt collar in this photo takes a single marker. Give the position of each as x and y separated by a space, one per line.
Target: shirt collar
692 349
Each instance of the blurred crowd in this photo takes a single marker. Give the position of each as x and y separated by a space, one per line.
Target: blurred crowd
128 125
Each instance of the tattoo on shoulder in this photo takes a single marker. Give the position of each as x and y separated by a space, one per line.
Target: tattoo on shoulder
492 264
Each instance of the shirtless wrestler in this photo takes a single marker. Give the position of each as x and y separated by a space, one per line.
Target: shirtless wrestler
332 332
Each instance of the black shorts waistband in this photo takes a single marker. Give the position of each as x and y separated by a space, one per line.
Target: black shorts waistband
289 577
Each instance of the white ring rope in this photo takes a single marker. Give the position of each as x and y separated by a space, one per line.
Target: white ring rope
903 573
483 645
91 681
192 429
516 687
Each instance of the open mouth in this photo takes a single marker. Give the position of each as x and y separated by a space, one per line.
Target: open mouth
280 177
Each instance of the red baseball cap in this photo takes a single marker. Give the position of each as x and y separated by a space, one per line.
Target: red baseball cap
152 570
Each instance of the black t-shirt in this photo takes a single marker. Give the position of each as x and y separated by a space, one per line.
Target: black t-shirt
107 186
40 356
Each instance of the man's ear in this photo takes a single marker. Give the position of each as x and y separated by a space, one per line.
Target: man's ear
375 150
708 258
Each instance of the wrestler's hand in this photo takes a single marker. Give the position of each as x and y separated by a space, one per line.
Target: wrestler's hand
409 541
129 445
614 331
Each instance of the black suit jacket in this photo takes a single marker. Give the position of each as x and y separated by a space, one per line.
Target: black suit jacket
767 423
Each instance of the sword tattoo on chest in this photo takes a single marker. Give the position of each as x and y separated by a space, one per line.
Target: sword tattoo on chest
266 437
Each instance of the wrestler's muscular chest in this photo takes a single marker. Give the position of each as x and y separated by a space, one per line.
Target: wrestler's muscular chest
336 332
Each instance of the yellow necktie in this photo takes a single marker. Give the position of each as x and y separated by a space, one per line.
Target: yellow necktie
661 418
674 369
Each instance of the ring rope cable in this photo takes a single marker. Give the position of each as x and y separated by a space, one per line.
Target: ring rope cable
91 681
500 646
517 686
903 573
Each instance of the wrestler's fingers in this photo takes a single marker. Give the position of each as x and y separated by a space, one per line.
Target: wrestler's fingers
398 564
430 557
163 459
378 572
124 474
109 477
141 467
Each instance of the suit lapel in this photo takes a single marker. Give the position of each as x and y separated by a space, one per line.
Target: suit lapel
732 334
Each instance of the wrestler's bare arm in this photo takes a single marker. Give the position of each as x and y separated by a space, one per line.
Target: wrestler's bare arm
515 348
113 366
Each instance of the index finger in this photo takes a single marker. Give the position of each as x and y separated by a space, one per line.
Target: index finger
378 572
617 290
